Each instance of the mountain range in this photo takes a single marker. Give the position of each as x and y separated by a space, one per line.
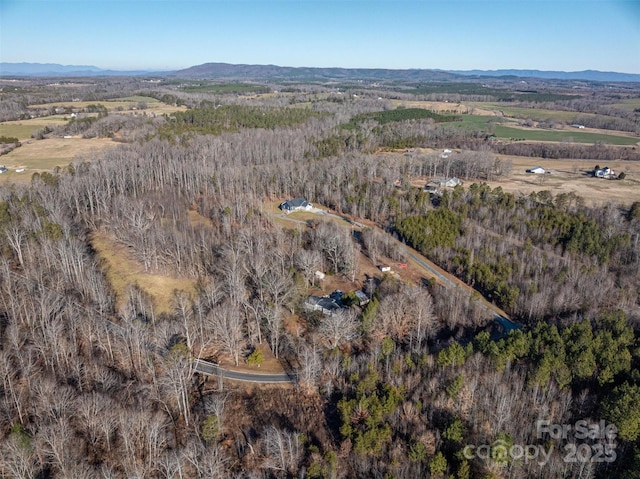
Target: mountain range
57 70
227 71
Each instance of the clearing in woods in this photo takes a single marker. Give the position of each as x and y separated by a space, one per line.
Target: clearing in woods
123 271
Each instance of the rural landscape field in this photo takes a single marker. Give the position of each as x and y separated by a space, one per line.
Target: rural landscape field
293 275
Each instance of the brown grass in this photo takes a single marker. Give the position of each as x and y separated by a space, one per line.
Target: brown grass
120 106
45 155
571 176
123 271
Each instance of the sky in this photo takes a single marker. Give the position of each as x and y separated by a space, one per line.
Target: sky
568 35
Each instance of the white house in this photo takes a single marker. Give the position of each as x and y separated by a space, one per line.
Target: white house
538 170
450 182
605 172
295 205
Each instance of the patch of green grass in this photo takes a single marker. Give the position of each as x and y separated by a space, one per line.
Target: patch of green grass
136 99
630 104
538 114
547 135
24 129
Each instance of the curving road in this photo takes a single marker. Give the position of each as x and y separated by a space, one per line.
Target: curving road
205 367
210 369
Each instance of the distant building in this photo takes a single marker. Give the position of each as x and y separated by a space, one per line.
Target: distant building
575 125
384 268
295 205
538 170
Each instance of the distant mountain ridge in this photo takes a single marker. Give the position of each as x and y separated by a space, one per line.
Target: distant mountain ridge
57 70
228 71
235 72
588 75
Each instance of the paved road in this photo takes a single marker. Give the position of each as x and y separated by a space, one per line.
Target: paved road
446 281
211 369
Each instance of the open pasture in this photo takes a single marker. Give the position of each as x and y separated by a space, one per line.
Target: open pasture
629 104
43 155
122 105
574 135
24 129
573 176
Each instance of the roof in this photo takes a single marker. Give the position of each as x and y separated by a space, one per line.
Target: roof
324 304
295 203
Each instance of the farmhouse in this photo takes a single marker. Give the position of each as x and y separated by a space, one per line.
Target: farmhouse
605 172
327 306
538 170
449 182
295 205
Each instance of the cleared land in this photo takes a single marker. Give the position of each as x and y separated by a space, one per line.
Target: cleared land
629 104
574 176
567 176
479 114
575 136
122 105
123 271
24 129
45 155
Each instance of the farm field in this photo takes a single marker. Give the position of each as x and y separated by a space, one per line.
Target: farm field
126 105
533 134
41 155
566 176
572 176
539 114
24 129
629 104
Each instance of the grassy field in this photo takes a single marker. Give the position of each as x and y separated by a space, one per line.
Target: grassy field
24 129
123 271
43 155
572 176
125 104
629 104
533 113
531 134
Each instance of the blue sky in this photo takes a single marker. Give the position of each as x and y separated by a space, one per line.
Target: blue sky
445 34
